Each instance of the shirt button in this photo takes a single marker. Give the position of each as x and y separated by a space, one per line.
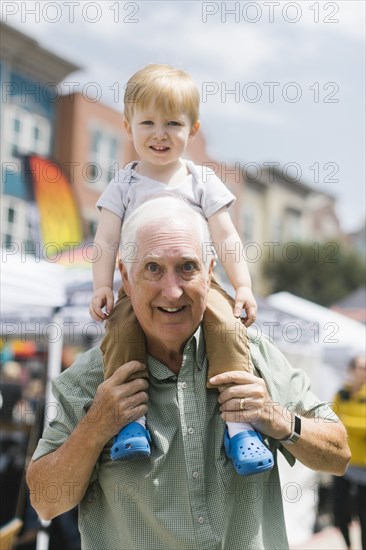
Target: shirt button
200 519
184 385
195 475
190 431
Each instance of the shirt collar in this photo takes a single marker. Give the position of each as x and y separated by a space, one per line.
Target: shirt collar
196 342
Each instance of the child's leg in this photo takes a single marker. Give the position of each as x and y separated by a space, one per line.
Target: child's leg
227 349
226 337
124 339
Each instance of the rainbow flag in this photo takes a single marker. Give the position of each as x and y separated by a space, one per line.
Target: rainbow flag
60 221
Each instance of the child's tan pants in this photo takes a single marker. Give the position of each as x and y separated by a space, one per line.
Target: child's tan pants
226 337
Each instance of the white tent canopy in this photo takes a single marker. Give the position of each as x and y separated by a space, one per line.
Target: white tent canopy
27 281
325 343
334 330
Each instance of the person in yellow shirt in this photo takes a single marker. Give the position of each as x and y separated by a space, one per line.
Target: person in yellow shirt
350 406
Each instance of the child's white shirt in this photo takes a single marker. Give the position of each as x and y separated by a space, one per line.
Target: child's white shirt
202 189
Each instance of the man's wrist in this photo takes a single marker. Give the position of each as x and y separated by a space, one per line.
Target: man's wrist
295 432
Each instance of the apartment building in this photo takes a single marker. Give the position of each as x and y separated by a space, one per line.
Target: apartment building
278 210
29 76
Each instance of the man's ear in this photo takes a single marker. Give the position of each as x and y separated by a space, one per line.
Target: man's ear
194 129
128 128
210 271
124 275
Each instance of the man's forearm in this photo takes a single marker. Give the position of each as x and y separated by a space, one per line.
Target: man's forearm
58 481
322 446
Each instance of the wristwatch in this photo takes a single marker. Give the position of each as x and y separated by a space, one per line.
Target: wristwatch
295 431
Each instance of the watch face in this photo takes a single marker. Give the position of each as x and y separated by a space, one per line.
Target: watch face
295 436
297 428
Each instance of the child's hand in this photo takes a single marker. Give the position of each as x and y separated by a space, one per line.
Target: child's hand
244 299
101 297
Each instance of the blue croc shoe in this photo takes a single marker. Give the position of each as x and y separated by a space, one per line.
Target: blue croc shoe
133 441
247 452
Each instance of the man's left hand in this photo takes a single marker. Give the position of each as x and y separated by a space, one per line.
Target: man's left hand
244 398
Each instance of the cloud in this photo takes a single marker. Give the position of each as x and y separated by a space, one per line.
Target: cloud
344 17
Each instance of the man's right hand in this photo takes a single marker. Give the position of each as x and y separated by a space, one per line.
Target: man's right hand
118 402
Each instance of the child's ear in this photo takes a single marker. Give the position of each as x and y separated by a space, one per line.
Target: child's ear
127 126
194 129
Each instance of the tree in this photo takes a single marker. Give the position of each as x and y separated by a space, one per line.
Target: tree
321 272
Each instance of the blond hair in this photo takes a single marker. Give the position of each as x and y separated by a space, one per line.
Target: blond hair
172 91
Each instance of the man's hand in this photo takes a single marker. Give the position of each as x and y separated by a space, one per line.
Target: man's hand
102 297
118 402
244 299
244 398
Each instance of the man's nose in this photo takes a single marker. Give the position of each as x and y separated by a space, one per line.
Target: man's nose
171 287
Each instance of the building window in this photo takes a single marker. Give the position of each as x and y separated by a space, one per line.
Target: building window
103 157
248 226
93 172
114 148
37 138
96 141
92 228
293 222
26 132
17 126
11 215
8 241
277 231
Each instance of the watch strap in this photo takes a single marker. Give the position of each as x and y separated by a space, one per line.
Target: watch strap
295 431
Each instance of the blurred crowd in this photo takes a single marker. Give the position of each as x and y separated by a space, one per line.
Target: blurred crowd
22 405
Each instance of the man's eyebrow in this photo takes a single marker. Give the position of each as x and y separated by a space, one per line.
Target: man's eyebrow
190 258
150 258
157 258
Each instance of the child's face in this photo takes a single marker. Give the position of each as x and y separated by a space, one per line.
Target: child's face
160 139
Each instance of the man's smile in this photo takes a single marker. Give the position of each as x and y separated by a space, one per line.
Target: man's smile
171 310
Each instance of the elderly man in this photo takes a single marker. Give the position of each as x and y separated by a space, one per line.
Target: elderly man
187 495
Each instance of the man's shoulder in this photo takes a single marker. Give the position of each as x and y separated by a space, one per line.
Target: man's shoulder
267 358
85 374
261 345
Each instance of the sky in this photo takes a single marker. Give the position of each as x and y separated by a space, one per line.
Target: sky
280 82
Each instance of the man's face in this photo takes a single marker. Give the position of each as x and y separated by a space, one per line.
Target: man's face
168 285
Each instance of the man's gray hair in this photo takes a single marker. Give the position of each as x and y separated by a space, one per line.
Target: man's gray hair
159 209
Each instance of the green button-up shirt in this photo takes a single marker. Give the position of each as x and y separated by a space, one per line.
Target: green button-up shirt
187 495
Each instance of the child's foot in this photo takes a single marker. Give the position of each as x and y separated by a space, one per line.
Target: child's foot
133 441
247 452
